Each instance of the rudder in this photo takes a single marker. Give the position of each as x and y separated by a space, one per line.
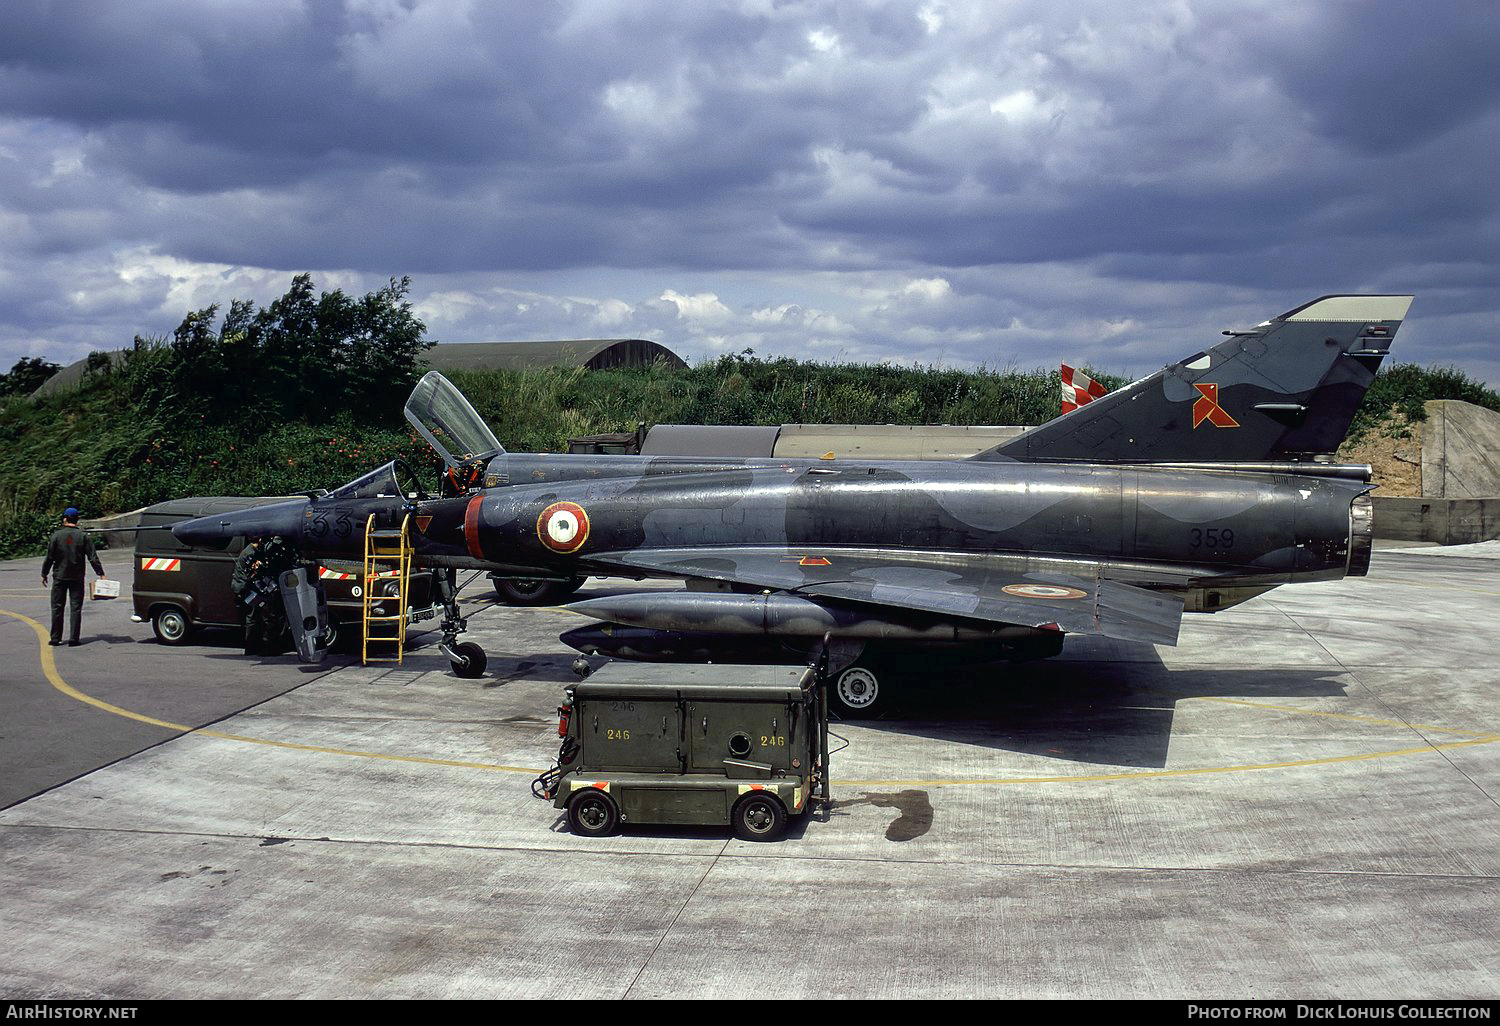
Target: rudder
1285 390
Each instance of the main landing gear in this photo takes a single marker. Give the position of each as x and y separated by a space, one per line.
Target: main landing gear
525 591
858 692
856 677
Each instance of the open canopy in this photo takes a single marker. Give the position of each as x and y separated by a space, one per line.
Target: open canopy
449 423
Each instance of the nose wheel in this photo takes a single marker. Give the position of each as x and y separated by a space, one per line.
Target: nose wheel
467 660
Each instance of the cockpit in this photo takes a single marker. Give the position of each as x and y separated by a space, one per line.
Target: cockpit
454 429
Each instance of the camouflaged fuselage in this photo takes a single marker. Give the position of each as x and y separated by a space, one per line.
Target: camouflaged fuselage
1261 528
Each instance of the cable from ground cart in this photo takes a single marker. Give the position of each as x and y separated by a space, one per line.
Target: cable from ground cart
545 786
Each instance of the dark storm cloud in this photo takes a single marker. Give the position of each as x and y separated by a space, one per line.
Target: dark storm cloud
1391 76
274 83
965 182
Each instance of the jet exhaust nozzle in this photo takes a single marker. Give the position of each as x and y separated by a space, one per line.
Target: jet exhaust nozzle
1361 534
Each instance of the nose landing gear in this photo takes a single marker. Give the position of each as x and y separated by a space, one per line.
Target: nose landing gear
467 658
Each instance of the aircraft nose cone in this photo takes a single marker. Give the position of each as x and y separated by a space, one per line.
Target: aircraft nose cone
278 518
200 531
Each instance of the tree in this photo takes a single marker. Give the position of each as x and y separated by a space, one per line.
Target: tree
27 376
304 357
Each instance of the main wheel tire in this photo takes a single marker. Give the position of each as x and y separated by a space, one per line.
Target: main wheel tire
858 693
171 625
758 817
526 592
593 813
473 662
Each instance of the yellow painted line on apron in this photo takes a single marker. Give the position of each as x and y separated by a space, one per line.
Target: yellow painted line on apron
49 668
1337 716
1440 587
1163 774
1485 738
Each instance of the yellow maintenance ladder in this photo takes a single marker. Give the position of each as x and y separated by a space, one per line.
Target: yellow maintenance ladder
385 550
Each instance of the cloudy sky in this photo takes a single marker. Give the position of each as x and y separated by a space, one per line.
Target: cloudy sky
950 183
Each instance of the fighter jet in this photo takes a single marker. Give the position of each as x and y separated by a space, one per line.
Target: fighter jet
1191 490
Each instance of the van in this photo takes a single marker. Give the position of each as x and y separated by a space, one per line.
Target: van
179 588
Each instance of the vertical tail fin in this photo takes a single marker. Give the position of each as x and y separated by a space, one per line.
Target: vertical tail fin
1285 390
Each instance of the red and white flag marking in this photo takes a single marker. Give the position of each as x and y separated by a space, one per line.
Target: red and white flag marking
1078 389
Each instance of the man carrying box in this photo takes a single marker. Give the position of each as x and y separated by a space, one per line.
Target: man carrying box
67 551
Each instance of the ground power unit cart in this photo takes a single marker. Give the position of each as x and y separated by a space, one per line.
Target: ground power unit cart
742 746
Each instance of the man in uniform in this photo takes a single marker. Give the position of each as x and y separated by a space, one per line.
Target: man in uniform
67 551
255 584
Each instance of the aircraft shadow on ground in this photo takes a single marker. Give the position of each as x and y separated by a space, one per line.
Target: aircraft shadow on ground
502 669
1110 714
1116 713
551 667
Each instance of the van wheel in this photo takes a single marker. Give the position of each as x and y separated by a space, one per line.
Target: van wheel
593 813
171 625
758 817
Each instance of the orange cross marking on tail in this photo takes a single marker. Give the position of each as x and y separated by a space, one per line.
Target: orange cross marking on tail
1207 408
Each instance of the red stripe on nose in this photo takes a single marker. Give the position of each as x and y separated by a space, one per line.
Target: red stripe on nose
471 526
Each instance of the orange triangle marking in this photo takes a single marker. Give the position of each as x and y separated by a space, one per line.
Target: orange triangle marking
1207 407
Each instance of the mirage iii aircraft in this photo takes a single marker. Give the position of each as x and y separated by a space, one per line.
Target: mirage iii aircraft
1191 490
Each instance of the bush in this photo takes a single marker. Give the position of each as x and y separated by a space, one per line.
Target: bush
26 533
1400 391
26 376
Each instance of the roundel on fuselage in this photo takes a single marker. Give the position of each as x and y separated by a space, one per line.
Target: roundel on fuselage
563 527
